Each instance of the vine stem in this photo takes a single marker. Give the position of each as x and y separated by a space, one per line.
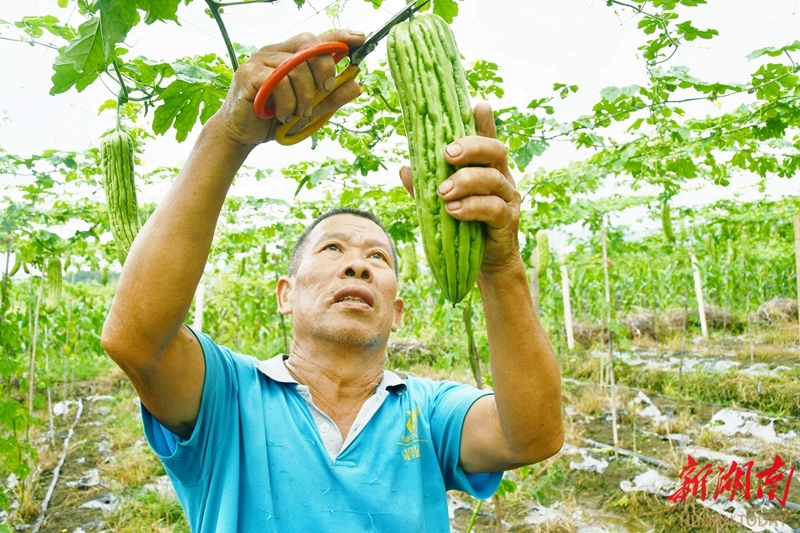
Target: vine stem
119 76
214 8
123 94
4 290
474 516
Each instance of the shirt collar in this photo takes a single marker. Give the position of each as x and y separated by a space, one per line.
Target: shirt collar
275 369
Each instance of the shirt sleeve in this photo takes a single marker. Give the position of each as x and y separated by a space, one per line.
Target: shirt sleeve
189 460
449 405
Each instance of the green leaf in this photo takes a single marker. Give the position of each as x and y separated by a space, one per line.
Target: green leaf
156 10
683 167
774 52
525 155
66 76
447 9
181 106
35 27
611 93
89 54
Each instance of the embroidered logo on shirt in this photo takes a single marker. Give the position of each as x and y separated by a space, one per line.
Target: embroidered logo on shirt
410 441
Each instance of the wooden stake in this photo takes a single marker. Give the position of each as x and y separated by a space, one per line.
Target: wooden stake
614 428
567 307
745 257
32 362
498 512
698 292
797 267
683 337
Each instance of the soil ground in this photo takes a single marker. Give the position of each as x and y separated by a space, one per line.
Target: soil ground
108 466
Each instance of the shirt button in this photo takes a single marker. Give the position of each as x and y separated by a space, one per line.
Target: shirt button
324 427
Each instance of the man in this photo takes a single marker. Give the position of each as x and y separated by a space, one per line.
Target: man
324 439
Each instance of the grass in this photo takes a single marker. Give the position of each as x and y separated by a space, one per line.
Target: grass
135 465
145 511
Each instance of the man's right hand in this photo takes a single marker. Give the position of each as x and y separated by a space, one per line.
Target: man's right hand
293 95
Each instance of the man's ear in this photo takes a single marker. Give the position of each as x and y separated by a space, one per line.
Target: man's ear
398 313
283 291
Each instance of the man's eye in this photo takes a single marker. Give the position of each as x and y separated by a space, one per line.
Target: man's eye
378 255
332 247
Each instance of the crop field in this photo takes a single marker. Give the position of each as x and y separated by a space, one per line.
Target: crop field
659 228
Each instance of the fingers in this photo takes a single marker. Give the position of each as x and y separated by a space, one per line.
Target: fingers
344 94
351 37
480 193
294 95
489 209
484 121
475 193
405 177
479 151
476 181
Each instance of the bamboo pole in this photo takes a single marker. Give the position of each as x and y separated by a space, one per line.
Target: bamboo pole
46 348
498 512
567 307
683 337
698 292
32 362
614 427
797 267
745 258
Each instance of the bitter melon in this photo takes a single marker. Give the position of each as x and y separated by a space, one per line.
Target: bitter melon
52 288
116 154
432 89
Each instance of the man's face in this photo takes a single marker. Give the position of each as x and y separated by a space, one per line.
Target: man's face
345 289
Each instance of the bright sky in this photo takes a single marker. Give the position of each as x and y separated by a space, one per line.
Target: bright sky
535 43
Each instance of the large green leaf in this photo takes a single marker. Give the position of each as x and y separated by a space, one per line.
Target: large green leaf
447 9
156 10
87 55
181 105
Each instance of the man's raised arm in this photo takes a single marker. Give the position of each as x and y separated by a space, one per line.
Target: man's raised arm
144 332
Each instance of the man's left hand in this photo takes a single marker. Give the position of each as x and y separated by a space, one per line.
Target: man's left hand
483 189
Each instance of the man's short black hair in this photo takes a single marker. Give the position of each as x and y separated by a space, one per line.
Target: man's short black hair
302 241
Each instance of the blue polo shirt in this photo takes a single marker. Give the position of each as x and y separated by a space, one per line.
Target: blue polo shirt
260 460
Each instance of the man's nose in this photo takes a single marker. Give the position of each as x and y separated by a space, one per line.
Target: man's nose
357 268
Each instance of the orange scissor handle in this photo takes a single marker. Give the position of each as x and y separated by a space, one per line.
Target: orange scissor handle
336 48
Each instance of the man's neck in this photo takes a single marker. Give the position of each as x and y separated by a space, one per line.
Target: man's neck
340 370
340 379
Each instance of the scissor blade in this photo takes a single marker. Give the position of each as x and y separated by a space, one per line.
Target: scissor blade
358 54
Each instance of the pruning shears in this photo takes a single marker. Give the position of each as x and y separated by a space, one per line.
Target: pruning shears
339 50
